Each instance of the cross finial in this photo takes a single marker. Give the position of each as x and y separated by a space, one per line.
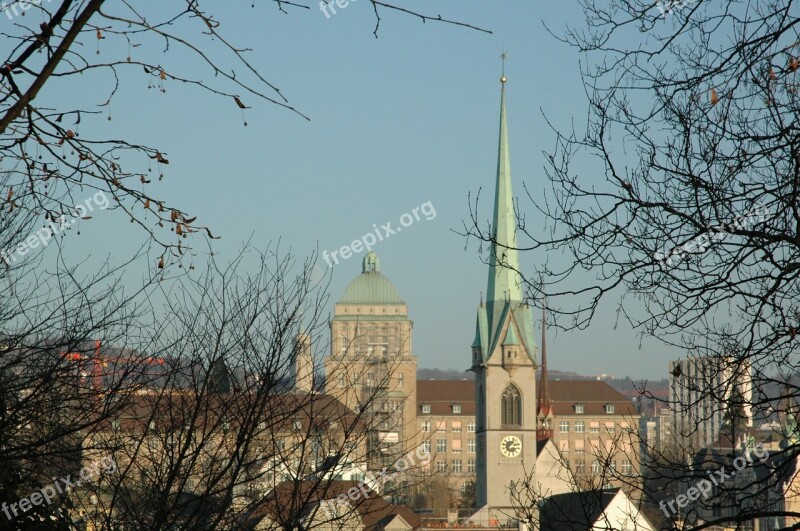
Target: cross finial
503 78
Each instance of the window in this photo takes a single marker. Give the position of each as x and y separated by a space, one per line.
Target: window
580 467
401 380
595 467
471 426
471 466
471 446
426 427
579 409
456 426
341 380
611 429
441 425
579 450
511 406
298 425
455 466
456 408
426 408
456 446
441 466
594 429
563 426
441 445
426 447
609 409
627 468
578 426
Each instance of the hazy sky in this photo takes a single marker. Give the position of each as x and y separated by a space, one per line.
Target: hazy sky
398 121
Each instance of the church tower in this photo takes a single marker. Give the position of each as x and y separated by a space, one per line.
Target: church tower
504 357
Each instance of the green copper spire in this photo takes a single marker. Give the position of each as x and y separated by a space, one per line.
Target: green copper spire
503 260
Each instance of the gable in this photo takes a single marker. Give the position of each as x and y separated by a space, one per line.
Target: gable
397 523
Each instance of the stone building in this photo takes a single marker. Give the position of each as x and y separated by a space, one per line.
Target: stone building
596 432
446 422
371 365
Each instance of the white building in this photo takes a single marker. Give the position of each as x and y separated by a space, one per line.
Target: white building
701 390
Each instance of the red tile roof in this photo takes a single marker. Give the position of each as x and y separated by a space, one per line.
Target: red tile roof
442 394
593 394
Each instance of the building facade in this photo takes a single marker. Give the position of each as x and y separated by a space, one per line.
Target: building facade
371 367
596 432
446 422
701 392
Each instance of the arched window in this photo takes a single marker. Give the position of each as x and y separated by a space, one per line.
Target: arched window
511 406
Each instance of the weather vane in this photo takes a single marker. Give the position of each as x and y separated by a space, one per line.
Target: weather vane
504 56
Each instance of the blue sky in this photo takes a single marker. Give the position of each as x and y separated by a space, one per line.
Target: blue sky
396 122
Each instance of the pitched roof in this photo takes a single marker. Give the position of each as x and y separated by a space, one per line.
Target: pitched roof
575 511
174 410
593 394
300 497
442 394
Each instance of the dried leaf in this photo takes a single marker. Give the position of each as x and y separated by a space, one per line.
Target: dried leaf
772 75
714 97
70 133
239 102
100 35
163 75
161 263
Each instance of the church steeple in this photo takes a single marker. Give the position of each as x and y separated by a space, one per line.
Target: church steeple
503 261
504 292
503 357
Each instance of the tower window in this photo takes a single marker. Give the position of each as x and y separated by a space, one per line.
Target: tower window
579 409
426 408
511 406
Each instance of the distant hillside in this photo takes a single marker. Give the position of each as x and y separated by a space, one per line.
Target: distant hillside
444 374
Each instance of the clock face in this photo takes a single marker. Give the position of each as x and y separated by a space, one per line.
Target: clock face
510 446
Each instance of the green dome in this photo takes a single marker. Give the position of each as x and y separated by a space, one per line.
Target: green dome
371 287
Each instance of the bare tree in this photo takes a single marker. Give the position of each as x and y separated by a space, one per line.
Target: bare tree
689 212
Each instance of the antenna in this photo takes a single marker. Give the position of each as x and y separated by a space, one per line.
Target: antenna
503 78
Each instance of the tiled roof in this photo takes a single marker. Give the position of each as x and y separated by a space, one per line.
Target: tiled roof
289 497
593 394
174 410
442 394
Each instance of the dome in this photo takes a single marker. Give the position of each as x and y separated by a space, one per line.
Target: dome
371 287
